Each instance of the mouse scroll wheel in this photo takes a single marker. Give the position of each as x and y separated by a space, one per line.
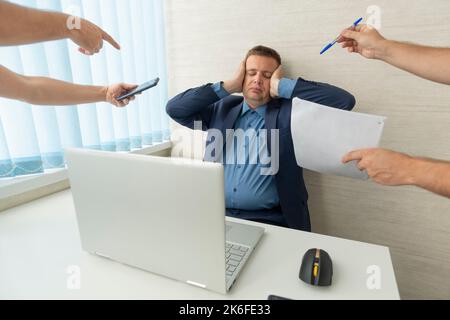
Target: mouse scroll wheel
316 270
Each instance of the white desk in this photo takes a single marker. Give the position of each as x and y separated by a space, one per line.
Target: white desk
39 241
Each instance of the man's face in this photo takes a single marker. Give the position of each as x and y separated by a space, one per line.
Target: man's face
259 71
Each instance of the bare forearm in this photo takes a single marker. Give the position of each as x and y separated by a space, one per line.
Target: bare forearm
432 175
46 91
20 25
426 62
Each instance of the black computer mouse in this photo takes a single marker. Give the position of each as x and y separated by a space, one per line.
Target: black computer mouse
317 268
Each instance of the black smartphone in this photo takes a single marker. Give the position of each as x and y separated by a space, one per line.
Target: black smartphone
140 89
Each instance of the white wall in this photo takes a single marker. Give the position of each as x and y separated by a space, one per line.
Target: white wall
206 41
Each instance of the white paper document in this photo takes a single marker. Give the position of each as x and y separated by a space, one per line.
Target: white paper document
323 136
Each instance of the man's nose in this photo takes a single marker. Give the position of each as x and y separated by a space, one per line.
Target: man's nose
258 79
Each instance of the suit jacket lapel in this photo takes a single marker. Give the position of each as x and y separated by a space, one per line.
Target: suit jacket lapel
232 117
273 110
227 124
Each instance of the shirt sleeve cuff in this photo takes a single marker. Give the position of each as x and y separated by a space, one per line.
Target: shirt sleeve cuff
286 88
220 91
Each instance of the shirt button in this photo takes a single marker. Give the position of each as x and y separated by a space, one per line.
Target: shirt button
234 190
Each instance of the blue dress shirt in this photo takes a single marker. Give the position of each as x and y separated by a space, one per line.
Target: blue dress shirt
245 187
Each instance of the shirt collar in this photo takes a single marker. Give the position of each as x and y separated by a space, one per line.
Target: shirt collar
260 110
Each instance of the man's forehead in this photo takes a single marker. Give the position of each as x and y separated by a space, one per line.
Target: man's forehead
259 70
263 64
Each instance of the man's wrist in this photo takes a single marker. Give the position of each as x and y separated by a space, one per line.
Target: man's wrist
420 172
276 87
62 25
103 93
384 49
230 87
220 91
286 88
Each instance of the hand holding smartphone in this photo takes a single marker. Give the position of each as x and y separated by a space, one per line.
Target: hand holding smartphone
146 86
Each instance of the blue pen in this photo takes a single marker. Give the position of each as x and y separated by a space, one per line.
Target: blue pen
334 42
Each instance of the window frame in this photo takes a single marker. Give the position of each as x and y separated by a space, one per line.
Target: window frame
20 190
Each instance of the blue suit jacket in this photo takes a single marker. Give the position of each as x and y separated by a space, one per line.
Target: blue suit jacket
203 104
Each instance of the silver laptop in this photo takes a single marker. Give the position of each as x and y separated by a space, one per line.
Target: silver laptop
162 215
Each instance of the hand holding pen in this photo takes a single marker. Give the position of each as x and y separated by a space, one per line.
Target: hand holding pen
337 40
365 40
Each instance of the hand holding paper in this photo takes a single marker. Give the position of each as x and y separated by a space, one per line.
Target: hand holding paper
323 135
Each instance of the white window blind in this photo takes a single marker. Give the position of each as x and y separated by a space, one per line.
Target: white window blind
32 138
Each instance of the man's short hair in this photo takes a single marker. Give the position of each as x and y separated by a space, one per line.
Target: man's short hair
264 52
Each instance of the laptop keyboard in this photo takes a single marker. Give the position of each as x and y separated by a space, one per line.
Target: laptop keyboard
235 255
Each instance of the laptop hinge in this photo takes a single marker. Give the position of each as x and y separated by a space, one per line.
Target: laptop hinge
103 255
196 284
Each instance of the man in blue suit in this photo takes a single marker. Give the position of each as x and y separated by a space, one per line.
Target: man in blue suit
279 198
